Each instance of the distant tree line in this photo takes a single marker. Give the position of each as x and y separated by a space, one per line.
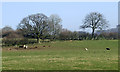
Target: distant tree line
16 37
36 27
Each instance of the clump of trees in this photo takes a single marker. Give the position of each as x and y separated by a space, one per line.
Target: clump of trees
75 35
108 36
40 26
36 27
14 37
9 33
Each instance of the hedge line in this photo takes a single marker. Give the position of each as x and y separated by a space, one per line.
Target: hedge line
13 42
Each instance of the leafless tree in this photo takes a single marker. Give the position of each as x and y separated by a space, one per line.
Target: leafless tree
6 29
65 34
55 23
95 21
35 24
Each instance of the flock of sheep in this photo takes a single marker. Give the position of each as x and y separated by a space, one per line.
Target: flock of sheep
25 47
87 49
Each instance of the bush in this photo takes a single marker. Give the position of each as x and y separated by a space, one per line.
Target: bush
13 42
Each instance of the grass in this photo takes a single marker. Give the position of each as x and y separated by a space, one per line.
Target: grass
64 55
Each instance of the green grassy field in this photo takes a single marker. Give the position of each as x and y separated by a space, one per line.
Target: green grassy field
63 55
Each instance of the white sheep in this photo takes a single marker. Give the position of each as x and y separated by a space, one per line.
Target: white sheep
86 49
25 47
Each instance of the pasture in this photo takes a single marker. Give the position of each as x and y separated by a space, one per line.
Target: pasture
63 55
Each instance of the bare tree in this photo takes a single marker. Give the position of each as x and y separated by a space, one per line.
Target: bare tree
6 31
65 34
95 21
7 28
36 25
55 23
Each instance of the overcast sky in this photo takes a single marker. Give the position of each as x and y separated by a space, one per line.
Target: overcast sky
72 13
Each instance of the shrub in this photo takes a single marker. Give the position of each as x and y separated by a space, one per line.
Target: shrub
13 42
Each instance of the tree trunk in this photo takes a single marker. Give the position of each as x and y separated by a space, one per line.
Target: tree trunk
38 40
93 30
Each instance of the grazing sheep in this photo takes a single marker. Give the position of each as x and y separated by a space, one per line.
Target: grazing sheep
23 46
86 49
49 46
44 46
107 48
9 49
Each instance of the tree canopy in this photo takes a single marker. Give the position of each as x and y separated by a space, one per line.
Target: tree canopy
40 26
55 23
36 25
94 20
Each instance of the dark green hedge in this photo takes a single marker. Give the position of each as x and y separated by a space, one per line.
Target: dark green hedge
13 42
